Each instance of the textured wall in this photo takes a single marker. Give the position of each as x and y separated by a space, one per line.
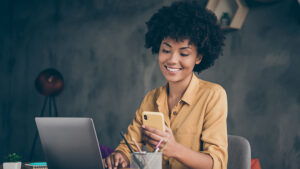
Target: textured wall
261 74
98 47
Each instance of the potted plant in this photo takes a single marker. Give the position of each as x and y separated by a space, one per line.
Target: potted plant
12 161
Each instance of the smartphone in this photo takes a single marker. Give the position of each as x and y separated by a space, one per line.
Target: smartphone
154 120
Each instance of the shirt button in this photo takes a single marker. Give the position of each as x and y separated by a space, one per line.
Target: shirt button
175 113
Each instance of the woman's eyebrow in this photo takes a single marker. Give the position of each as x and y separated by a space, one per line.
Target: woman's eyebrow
166 43
186 48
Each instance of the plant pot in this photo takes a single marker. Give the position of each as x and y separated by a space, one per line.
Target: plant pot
12 165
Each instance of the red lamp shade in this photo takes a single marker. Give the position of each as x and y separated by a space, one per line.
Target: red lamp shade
49 82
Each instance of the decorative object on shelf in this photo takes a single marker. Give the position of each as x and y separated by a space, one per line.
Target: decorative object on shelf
235 11
50 84
265 1
296 9
255 3
225 19
12 161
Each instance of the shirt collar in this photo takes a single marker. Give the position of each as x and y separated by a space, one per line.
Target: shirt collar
187 97
162 104
189 94
162 95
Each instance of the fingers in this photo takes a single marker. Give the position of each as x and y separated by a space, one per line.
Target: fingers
153 130
117 160
152 142
163 145
111 162
108 162
124 160
124 164
153 136
114 161
167 129
104 162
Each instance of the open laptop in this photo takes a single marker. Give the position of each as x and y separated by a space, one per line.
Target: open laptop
69 143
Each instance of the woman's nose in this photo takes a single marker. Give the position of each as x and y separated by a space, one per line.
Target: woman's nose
173 57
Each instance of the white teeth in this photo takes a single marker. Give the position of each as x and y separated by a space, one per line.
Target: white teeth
173 69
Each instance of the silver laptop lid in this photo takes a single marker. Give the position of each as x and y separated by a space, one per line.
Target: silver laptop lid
69 143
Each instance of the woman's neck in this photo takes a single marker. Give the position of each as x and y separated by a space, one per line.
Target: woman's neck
176 90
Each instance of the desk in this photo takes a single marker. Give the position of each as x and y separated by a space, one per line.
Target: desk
23 167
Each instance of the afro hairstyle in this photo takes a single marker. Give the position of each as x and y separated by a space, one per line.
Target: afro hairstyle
187 20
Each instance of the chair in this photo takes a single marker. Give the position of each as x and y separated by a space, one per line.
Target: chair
239 153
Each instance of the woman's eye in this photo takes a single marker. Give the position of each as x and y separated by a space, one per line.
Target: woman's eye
165 51
182 54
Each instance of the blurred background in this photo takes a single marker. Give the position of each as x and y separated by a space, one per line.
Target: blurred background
98 46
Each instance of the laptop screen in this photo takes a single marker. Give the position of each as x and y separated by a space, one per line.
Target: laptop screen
69 143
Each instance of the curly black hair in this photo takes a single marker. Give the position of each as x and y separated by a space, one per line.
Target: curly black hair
187 20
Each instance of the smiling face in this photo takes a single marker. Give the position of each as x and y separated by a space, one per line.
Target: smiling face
177 59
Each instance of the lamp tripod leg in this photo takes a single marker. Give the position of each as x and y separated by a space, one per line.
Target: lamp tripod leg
55 108
36 132
50 106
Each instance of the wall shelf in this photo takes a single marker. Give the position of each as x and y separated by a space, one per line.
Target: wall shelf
234 10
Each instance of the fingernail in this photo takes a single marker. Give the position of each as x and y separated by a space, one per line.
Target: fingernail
116 164
143 126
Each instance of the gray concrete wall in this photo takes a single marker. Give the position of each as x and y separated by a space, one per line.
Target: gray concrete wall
98 47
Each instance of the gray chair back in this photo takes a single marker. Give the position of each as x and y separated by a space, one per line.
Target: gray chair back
239 153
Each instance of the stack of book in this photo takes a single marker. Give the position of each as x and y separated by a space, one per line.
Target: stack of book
37 165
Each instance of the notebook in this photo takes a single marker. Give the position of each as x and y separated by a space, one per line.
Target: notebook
69 143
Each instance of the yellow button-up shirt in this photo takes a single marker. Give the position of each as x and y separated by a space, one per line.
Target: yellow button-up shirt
198 121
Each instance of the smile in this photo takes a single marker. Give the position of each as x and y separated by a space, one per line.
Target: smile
173 69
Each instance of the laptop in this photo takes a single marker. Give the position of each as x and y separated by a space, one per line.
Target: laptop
69 143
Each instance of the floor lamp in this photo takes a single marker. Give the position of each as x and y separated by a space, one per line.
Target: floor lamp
50 84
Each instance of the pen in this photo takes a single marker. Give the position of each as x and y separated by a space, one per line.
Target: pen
140 150
138 162
164 146
136 144
157 146
128 145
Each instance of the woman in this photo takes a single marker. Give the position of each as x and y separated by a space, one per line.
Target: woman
187 39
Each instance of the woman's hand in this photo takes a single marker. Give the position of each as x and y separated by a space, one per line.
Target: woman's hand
116 160
152 136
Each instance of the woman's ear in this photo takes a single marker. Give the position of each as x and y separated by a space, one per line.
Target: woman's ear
198 59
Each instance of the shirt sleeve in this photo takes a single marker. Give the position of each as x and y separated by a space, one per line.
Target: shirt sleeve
214 134
134 129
